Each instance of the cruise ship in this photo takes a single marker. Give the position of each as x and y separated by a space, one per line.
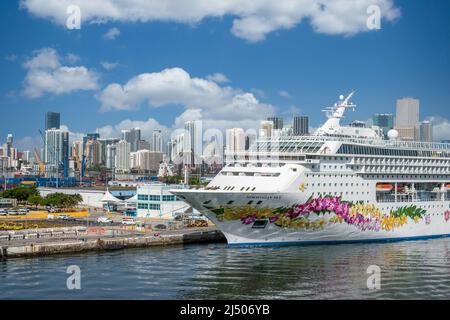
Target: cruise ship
340 184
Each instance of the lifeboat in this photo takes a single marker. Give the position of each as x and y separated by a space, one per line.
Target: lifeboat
384 187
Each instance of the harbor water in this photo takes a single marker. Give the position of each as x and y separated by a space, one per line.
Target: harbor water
411 269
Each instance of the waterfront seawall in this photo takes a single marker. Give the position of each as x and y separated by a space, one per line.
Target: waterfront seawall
28 247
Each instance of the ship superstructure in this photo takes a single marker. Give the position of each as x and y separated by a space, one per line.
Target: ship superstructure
340 184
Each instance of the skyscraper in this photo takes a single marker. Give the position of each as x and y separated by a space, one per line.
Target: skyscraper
123 150
56 151
407 119
266 129
426 131
52 120
193 147
383 120
132 136
235 140
300 126
110 156
157 141
277 122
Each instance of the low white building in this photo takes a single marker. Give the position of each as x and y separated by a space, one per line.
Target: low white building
155 201
92 198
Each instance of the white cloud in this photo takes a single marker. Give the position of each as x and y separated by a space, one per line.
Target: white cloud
29 143
72 58
11 57
284 94
218 78
112 34
252 20
202 98
45 74
147 127
109 65
441 128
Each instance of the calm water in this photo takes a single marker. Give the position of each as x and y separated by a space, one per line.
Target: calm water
419 269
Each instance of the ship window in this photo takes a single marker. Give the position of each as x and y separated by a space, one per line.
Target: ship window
259 202
260 224
230 202
250 202
253 188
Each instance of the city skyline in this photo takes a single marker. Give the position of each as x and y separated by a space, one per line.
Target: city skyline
382 65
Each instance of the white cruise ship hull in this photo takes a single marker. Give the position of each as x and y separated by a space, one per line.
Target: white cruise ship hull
323 228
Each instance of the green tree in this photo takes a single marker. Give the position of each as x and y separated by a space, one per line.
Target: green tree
35 200
20 193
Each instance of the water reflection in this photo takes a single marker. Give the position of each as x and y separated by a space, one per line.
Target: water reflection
416 269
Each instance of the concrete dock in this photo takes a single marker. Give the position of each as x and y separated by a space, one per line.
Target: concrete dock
37 242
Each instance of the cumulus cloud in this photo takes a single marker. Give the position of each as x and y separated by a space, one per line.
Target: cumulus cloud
441 128
112 34
252 20
109 65
203 99
45 74
284 94
11 57
218 78
147 127
72 58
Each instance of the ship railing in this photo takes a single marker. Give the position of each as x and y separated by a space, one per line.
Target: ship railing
364 141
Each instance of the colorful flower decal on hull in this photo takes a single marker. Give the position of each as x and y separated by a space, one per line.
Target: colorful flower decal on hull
311 215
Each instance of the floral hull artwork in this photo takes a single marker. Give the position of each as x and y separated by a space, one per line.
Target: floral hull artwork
316 213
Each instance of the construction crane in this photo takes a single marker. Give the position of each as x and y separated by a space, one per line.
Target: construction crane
39 161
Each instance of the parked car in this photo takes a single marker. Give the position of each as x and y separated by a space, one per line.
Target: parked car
3 212
64 217
51 210
13 212
104 220
128 221
160 226
50 217
23 211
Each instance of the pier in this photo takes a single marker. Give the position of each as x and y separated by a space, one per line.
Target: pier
47 241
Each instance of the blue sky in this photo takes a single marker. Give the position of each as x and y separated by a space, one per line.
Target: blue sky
409 56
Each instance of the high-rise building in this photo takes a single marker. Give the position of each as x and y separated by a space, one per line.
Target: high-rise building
250 139
407 119
277 122
383 120
193 144
7 147
266 129
56 151
426 131
132 136
123 150
52 120
145 160
111 156
300 126
143 145
157 141
235 140
93 153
